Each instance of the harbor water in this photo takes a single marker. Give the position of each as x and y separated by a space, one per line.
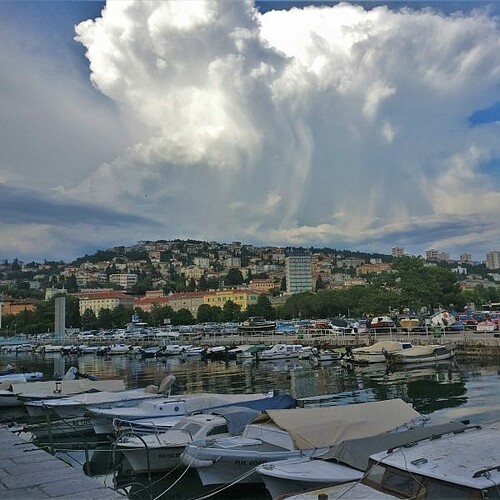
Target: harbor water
462 389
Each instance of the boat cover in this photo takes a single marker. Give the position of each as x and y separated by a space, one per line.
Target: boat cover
388 345
42 389
356 452
237 417
424 350
325 427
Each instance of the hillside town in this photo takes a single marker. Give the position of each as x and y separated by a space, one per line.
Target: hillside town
185 274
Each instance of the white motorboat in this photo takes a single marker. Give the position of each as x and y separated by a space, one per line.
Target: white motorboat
443 319
161 452
192 351
281 351
117 349
173 407
376 353
77 405
344 462
158 425
21 376
460 464
423 354
290 434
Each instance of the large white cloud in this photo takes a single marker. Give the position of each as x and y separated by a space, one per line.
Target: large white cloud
320 125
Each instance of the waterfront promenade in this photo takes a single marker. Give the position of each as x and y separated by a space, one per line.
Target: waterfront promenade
27 472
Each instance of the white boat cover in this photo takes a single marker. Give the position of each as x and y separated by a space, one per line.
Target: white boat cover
388 345
40 390
325 427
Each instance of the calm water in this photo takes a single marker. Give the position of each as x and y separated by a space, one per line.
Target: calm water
455 390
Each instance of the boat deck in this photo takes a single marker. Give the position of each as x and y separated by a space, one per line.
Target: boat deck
28 472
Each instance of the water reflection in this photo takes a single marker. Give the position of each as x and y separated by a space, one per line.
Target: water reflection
444 391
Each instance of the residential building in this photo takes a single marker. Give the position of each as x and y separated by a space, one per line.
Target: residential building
493 260
465 258
370 268
397 251
95 301
124 280
262 285
243 297
298 271
432 255
189 300
203 262
233 262
16 306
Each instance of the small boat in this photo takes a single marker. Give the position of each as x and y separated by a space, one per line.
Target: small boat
115 349
443 319
149 352
422 354
194 352
452 465
171 406
171 350
290 434
342 463
256 324
219 353
162 452
376 353
21 376
381 323
281 351
409 323
487 325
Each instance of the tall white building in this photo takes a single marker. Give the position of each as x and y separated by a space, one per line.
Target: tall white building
298 272
397 251
493 260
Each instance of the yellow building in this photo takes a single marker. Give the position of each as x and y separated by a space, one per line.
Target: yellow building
243 297
95 301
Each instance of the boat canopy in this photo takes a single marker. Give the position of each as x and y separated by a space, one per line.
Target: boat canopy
388 345
325 427
356 452
237 417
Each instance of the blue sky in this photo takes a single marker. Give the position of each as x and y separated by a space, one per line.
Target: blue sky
363 125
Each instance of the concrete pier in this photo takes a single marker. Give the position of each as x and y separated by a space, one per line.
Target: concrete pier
27 472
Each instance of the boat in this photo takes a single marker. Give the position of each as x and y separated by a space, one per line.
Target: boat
409 323
452 465
381 323
149 352
171 350
290 434
422 354
377 352
172 407
21 376
116 349
326 356
162 452
443 319
345 462
256 324
281 351
193 352
77 405
487 325
219 353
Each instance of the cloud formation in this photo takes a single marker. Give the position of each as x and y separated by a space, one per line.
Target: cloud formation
334 125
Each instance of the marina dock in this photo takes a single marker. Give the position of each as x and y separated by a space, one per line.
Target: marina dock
27 472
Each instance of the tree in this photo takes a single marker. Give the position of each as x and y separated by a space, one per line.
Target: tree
231 311
183 317
319 283
202 284
191 287
204 314
106 318
234 277
89 320
71 284
262 308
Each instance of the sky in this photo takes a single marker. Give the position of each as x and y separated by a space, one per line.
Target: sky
361 125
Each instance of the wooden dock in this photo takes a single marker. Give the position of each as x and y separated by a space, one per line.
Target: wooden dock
27 472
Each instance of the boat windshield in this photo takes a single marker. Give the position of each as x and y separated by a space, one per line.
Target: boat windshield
408 485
